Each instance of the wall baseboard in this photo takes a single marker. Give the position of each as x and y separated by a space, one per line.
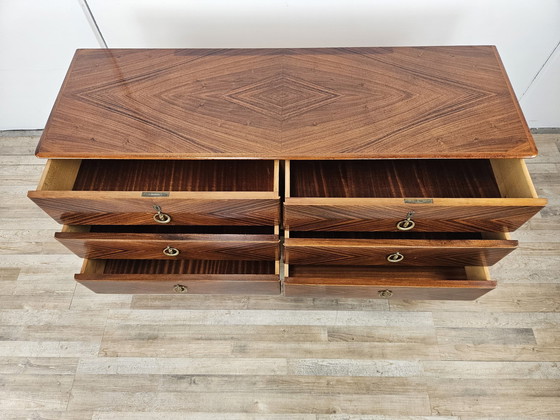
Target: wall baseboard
20 133
546 130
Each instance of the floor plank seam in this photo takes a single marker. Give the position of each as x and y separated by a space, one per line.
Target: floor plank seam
463 360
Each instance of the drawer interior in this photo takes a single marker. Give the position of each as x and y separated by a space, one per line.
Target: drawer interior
160 175
178 267
187 276
456 283
172 229
446 236
429 178
349 274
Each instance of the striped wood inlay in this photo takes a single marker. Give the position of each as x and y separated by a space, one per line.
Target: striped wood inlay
175 175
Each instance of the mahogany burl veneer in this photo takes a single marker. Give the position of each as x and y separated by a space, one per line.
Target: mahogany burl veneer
380 172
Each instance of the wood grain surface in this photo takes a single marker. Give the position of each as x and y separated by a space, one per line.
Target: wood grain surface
184 208
416 290
68 353
191 276
440 195
196 193
383 214
459 283
219 284
343 103
188 246
414 252
169 175
114 266
394 178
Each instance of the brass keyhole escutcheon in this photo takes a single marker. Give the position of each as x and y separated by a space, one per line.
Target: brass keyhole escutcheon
180 288
395 257
160 217
170 251
385 293
407 223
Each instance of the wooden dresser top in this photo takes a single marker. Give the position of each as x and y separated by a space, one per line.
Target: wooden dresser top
324 103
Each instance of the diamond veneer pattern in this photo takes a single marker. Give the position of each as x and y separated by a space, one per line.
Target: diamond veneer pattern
330 103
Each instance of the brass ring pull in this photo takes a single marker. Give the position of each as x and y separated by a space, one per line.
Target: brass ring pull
385 293
170 251
407 223
395 258
179 288
160 217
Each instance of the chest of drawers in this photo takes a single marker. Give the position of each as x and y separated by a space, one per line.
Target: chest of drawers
357 172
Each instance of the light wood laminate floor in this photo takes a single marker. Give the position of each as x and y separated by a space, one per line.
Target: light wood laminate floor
66 353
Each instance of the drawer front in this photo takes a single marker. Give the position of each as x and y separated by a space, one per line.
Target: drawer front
396 252
440 215
422 290
181 284
446 283
184 208
180 276
170 246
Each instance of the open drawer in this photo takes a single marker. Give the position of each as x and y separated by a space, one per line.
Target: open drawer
181 276
177 192
453 283
397 248
428 195
171 242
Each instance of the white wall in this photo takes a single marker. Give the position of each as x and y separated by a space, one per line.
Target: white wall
525 32
37 41
541 103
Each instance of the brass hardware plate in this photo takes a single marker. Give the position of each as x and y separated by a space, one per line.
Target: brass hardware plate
154 194
418 201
